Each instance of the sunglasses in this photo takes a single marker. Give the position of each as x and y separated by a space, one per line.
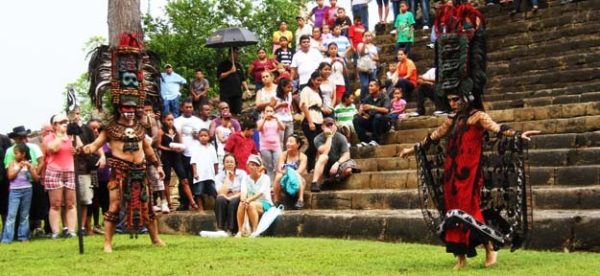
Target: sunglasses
453 99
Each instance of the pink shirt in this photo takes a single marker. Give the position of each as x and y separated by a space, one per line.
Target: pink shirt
398 106
62 160
269 136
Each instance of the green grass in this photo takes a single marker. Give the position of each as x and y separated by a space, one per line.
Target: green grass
192 255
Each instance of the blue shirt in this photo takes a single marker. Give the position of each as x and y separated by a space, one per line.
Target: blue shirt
170 85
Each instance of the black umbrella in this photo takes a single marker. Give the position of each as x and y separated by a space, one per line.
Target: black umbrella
230 38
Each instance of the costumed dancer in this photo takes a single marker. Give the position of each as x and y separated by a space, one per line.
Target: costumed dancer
460 59
130 152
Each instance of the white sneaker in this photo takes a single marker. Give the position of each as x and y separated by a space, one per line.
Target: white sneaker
439 113
425 27
373 143
393 31
164 208
156 208
413 114
430 45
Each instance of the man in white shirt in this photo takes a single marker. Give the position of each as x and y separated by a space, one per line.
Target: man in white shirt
188 126
170 84
426 89
305 61
303 29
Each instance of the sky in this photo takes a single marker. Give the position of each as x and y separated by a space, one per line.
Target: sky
42 50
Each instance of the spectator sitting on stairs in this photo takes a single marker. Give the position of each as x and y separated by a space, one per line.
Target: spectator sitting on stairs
372 116
334 156
291 161
426 89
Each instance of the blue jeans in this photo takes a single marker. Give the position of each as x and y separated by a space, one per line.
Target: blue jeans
377 124
365 78
171 106
362 11
424 9
395 9
19 200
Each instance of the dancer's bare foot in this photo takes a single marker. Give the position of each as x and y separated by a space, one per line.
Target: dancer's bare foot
461 262
159 243
107 248
490 258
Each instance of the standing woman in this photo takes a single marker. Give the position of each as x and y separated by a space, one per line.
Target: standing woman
283 108
270 128
311 104
255 197
259 65
338 71
170 145
282 31
367 49
463 173
20 173
229 186
267 95
59 179
327 89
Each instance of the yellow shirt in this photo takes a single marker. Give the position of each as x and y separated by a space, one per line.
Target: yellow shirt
278 34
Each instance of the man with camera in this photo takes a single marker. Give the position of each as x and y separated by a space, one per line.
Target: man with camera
333 159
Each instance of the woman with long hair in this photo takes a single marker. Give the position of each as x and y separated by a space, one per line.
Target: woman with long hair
170 145
266 95
338 70
311 104
261 64
228 184
291 159
283 108
367 50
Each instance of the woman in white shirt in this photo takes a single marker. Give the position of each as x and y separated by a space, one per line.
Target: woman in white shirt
338 71
267 95
255 196
327 89
229 187
311 105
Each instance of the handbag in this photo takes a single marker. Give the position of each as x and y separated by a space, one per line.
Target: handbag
365 64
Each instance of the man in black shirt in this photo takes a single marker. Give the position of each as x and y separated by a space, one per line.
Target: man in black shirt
231 80
371 117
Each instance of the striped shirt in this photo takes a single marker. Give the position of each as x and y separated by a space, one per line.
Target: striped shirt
345 114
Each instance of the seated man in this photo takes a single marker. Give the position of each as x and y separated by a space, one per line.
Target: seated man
426 89
372 116
333 155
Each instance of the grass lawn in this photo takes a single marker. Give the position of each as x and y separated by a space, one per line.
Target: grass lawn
192 255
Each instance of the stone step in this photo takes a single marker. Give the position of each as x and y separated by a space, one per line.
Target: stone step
543 101
547 126
553 110
536 65
562 198
536 158
546 77
543 141
551 229
581 175
493 94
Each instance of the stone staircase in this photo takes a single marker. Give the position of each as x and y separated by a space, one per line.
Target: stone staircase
543 74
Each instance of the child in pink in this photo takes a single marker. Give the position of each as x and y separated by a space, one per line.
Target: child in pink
270 128
397 106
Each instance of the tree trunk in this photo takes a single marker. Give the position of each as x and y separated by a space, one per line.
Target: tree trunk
123 16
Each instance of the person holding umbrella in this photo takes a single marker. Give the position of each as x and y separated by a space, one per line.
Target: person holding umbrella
231 81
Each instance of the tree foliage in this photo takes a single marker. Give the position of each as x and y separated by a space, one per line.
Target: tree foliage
179 38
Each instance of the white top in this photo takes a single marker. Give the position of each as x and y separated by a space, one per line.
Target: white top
430 74
311 98
306 63
306 30
226 132
337 70
204 158
284 114
234 187
188 127
262 185
264 95
327 91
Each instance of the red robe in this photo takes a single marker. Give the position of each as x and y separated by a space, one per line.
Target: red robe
463 180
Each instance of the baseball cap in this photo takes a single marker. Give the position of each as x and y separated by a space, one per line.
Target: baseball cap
255 159
168 65
328 121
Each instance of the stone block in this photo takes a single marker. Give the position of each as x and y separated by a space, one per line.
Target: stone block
591 97
389 180
357 181
331 200
592 123
577 176
367 165
574 110
555 199
541 176
366 227
585 231
387 164
584 156
570 125
524 114
563 140
592 109
332 227
548 158
551 233
588 198
588 139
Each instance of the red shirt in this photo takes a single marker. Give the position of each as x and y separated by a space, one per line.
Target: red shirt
402 70
355 33
241 147
260 67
